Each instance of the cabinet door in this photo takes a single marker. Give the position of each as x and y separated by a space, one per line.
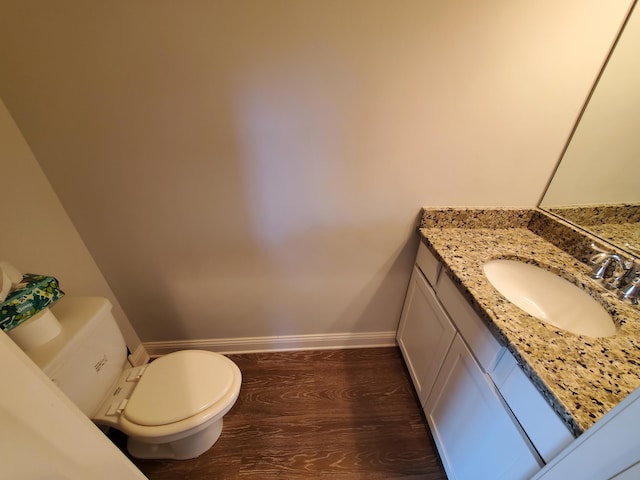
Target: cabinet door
424 334
474 432
547 432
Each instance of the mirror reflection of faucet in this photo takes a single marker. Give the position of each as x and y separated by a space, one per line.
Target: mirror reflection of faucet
617 273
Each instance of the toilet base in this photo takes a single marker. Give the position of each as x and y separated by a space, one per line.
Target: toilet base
191 446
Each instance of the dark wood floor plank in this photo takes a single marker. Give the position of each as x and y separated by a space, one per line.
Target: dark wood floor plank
328 414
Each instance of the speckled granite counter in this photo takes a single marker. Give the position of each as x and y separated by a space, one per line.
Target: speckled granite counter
617 223
582 377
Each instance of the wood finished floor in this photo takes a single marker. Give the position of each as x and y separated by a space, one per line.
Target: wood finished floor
332 414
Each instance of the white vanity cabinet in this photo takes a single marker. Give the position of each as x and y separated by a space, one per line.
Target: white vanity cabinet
458 367
475 434
424 334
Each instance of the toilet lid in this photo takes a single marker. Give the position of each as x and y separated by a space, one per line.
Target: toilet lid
178 386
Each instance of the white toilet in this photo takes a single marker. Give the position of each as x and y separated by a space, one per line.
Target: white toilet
169 408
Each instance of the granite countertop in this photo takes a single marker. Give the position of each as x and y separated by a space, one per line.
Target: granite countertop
581 377
617 223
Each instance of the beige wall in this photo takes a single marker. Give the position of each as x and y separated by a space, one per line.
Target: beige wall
248 168
37 234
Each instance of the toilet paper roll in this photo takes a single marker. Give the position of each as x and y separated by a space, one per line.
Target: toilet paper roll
5 285
12 272
36 331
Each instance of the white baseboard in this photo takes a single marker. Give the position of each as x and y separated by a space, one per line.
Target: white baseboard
277 344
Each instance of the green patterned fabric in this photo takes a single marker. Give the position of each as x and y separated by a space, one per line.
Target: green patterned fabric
32 295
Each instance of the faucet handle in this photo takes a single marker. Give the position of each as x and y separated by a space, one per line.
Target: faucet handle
600 262
619 273
599 257
600 267
631 291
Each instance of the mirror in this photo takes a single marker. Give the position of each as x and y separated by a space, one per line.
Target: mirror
597 183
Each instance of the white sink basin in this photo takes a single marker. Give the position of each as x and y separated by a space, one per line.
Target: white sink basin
549 298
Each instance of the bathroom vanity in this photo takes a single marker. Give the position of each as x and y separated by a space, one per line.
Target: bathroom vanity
503 392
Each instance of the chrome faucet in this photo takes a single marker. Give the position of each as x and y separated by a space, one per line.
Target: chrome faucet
631 291
618 273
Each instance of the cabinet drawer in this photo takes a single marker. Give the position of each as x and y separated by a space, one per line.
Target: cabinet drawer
473 330
428 264
543 426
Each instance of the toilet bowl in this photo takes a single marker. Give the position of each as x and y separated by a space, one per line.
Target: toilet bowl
170 408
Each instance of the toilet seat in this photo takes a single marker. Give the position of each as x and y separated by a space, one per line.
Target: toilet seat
173 396
178 386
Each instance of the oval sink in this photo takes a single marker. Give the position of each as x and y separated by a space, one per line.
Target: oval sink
549 298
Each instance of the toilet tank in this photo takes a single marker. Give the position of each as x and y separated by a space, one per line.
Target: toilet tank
88 356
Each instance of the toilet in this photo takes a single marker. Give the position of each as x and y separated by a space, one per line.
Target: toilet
171 408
